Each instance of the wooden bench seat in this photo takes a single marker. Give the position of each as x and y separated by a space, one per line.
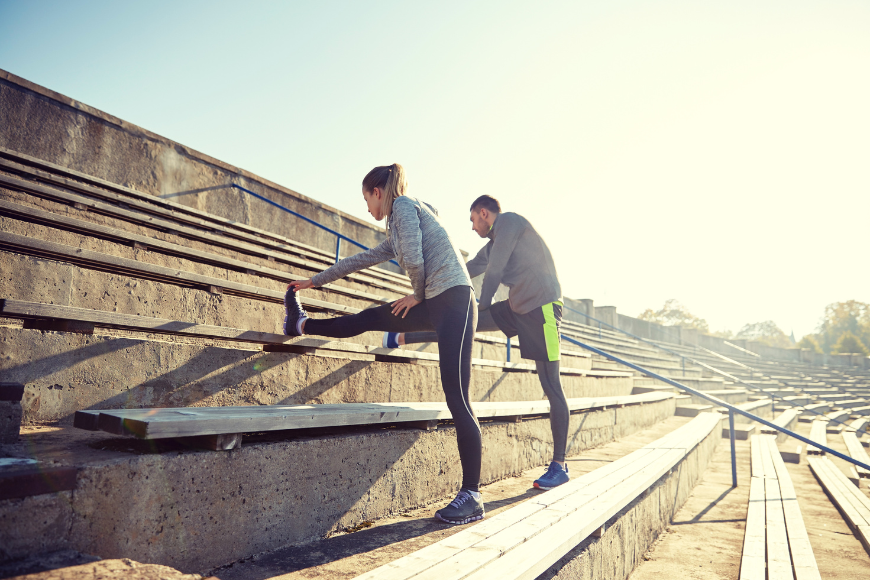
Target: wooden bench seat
199 421
272 342
812 411
775 541
787 419
525 540
853 504
856 451
818 434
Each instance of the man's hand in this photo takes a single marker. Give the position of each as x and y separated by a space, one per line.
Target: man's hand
300 285
406 304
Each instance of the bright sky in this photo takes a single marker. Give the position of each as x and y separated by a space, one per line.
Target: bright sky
713 152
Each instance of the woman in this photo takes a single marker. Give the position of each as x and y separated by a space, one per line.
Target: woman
443 301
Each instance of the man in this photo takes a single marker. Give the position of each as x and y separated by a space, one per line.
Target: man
518 257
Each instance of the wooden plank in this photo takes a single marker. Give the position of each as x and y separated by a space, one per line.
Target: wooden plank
803 561
766 459
821 467
177 212
20 483
755 464
818 435
577 491
190 421
856 451
536 554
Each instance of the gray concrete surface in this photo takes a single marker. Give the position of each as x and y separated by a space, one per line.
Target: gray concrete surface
50 126
195 510
347 554
66 372
10 421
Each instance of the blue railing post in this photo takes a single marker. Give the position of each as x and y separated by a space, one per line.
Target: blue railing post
733 450
509 349
337 249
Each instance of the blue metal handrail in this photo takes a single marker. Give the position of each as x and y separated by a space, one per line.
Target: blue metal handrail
731 410
705 365
338 236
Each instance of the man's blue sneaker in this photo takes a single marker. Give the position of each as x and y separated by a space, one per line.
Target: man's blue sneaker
293 313
391 340
556 475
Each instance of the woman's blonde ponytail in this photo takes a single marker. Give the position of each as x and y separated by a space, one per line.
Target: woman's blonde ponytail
390 179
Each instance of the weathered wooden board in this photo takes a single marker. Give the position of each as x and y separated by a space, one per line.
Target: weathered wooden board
525 540
190 421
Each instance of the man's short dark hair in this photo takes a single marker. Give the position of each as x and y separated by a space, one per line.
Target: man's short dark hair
487 202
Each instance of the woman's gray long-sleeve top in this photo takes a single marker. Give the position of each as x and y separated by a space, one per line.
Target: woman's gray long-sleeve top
418 240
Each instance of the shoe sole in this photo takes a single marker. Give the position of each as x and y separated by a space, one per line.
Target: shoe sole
467 520
538 486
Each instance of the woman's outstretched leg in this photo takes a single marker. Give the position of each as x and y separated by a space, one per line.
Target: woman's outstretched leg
380 318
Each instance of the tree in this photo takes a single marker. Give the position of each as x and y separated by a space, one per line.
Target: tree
849 344
841 317
810 342
766 332
674 314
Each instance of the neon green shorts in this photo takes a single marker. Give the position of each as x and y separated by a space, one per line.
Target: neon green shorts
538 329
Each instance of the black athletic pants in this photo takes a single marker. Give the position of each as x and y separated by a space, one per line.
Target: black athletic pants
548 374
452 315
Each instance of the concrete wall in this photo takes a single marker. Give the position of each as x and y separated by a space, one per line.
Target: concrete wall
198 510
44 124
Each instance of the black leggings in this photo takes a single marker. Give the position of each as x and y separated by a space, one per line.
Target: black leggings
453 316
548 374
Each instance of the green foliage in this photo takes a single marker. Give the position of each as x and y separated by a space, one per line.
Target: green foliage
842 317
766 332
674 314
810 342
849 344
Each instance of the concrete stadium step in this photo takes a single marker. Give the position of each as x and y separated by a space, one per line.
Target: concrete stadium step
68 371
217 269
144 499
32 215
776 544
69 186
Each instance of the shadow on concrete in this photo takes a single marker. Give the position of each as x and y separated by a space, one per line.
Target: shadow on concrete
193 191
711 505
302 557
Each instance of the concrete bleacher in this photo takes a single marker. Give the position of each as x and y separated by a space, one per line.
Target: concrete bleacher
161 315
147 333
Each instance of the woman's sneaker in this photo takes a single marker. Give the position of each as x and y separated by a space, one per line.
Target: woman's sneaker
465 508
293 313
391 340
556 475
